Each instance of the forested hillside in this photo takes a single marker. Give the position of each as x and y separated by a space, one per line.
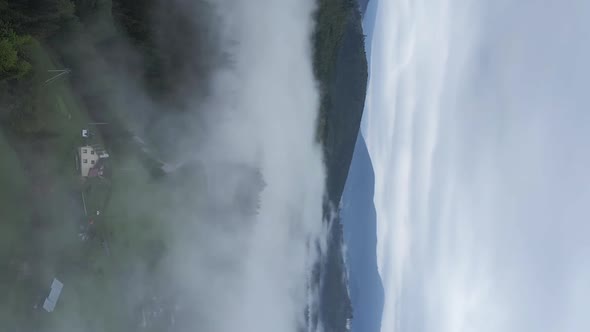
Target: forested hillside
341 68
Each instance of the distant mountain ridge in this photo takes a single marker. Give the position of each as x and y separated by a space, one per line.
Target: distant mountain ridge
359 220
340 65
363 4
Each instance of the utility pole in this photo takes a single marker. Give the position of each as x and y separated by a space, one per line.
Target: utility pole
84 202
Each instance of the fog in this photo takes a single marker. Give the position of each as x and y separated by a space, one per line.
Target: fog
226 238
240 272
252 275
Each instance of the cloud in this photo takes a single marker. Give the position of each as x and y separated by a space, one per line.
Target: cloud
475 125
253 275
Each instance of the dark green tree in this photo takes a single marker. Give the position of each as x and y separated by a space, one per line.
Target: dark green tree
13 62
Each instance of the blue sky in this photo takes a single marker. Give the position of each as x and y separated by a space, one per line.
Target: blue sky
477 123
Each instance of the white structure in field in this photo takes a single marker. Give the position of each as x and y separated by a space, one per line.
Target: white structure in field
88 158
51 300
92 160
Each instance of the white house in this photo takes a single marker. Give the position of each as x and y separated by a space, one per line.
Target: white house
88 158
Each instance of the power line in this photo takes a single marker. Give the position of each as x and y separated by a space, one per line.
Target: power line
60 73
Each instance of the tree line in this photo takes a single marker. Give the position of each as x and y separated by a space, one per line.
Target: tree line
20 23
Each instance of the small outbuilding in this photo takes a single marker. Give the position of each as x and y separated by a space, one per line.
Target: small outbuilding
51 300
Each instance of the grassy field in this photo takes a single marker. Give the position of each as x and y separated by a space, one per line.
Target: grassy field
40 178
89 274
128 223
41 211
61 113
14 221
13 192
95 278
14 224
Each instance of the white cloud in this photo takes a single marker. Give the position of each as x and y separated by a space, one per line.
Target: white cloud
269 98
474 123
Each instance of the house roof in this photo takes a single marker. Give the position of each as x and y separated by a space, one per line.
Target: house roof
88 158
97 169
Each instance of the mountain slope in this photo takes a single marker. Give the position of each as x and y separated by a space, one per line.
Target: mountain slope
342 110
343 83
360 235
363 4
